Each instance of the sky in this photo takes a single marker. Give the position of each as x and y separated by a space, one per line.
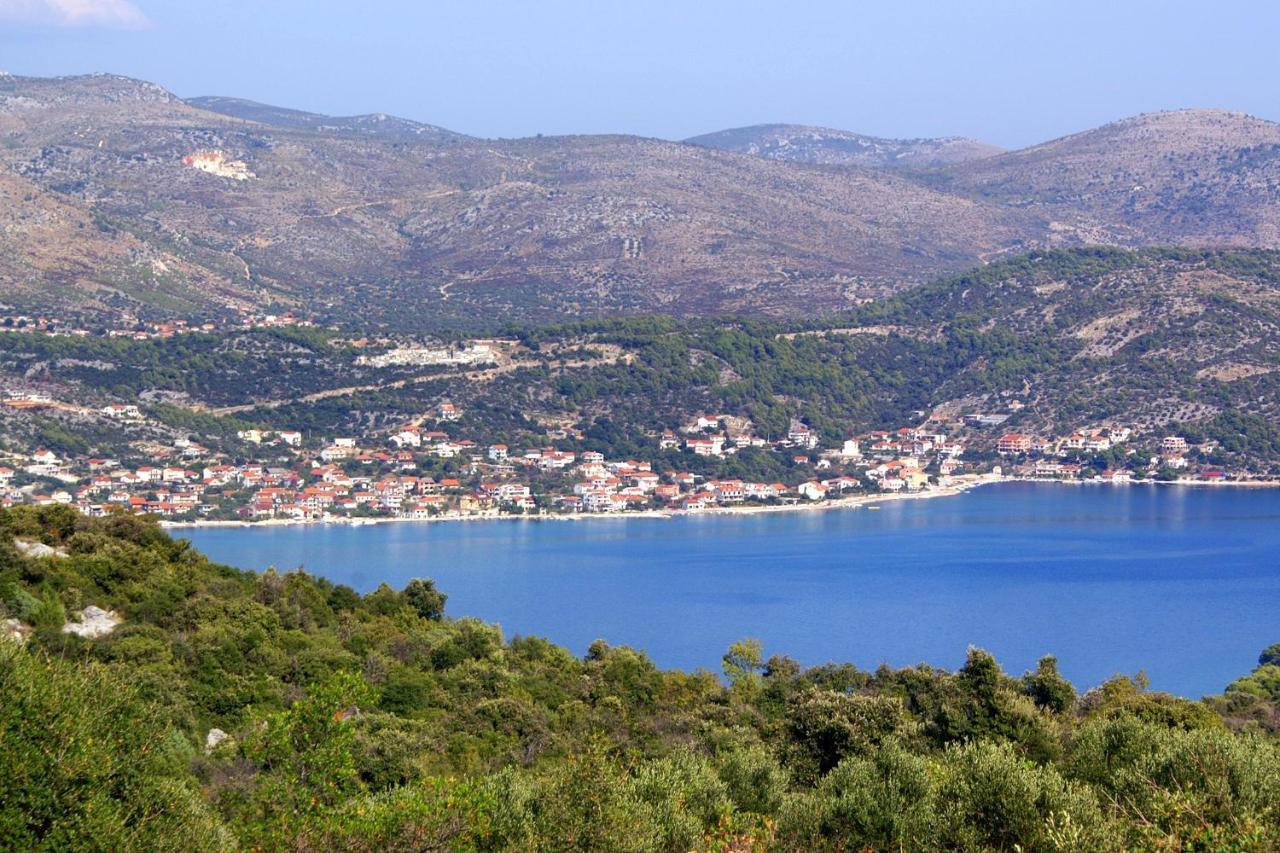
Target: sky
1011 72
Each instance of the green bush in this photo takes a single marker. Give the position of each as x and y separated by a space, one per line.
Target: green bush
1201 789
989 797
884 801
85 767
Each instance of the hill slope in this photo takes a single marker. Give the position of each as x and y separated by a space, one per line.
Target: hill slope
1078 338
1207 177
1140 338
354 224
825 146
375 124
124 196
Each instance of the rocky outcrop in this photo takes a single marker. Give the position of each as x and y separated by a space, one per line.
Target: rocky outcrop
94 622
37 549
13 629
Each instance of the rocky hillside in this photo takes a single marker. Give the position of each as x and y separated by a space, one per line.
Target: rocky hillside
822 145
1059 340
373 124
1191 177
440 228
1142 338
121 195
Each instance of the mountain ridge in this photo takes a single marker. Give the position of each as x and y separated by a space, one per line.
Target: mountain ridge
384 221
830 146
1146 172
378 124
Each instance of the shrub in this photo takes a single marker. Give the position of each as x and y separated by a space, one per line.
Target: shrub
990 797
85 767
884 801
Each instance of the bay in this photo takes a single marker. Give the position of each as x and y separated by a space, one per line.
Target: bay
1180 582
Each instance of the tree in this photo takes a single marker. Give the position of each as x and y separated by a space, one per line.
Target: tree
423 597
1047 688
881 802
307 756
743 662
990 797
824 727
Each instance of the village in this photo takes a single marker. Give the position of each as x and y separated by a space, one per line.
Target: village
426 470
1041 458
131 327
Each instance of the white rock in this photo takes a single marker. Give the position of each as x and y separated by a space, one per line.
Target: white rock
37 549
215 737
94 623
13 629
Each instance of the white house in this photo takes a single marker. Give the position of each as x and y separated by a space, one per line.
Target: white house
709 446
813 490
123 412
407 437
799 434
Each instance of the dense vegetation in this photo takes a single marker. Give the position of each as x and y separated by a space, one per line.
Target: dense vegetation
377 723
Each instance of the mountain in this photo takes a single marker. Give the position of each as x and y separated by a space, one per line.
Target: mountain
375 124
821 145
448 229
123 196
1189 177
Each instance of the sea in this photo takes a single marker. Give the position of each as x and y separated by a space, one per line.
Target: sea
1181 583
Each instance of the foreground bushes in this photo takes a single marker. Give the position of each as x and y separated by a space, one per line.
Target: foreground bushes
85 767
374 723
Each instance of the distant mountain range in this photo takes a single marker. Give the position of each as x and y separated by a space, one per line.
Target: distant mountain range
118 194
825 146
372 124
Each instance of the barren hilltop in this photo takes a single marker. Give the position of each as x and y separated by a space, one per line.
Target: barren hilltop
823 145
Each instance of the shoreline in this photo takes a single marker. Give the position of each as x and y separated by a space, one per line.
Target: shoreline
850 502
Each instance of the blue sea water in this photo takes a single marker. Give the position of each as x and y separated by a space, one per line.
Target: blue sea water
1181 582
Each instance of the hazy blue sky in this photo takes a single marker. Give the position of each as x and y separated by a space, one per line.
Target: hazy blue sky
1012 72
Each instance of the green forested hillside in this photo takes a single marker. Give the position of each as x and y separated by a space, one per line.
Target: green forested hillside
378 723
